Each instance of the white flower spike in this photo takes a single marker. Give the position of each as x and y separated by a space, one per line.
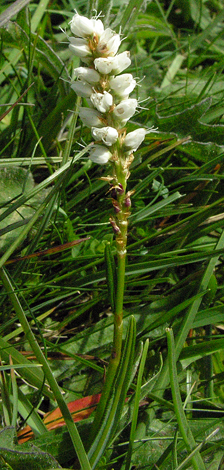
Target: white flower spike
106 90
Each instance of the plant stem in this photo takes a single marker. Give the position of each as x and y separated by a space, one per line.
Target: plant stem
118 322
74 434
120 178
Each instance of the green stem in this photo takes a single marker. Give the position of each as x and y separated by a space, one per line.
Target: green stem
121 244
118 313
74 434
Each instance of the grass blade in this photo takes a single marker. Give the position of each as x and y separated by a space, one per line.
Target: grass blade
183 425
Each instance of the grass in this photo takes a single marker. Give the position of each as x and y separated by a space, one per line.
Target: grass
56 328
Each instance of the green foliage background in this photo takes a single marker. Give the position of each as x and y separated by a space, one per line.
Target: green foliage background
51 194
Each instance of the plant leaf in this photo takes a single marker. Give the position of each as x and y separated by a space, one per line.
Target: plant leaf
188 122
22 457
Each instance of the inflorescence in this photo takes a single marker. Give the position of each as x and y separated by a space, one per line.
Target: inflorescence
106 89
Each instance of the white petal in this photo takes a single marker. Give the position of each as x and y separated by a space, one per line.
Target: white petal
100 154
125 109
134 139
105 65
90 117
113 65
114 44
109 42
82 89
102 101
123 84
98 27
123 62
83 27
79 47
108 135
88 75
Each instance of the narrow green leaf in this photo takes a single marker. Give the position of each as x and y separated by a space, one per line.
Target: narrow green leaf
30 415
183 425
113 410
149 210
29 372
12 10
136 404
199 446
193 353
44 184
130 14
172 70
38 14
73 431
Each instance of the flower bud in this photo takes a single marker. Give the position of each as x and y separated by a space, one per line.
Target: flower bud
127 201
102 101
79 47
100 154
88 75
134 139
82 89
109 43
108 135
83 27
90 117
115 227
120 189
113 65
125 109
123 84
116 206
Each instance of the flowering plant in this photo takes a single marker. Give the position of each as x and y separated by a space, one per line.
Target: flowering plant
107 91
110 107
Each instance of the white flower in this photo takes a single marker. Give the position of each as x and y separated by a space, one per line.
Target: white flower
82 89
100 154
113 65
134 139
108 135
123 62
102 101
109 42
105 65
79 47
123 84
83 27
90 117
88 75
125 109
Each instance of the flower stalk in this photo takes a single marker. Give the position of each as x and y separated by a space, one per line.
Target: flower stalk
107 90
